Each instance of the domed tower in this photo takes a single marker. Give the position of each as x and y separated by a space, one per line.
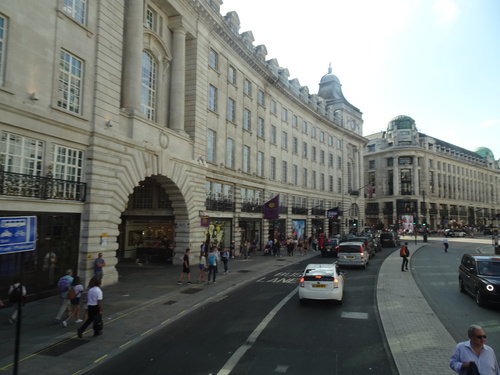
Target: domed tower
484 152
401 130
330 88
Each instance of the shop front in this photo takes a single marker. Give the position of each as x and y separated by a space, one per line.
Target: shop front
219 232
277 229
298 229
251 230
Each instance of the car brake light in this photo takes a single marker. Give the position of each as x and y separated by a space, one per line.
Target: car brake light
301 282
335 282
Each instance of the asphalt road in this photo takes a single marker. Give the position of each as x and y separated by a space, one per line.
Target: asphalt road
262 329
436 274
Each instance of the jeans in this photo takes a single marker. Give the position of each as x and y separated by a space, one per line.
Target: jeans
212 269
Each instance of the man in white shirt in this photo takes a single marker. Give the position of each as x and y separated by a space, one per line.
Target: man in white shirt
94 307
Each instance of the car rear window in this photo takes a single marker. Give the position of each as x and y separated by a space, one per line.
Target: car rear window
349 249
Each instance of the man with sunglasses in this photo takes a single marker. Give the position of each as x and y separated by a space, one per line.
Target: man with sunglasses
474 352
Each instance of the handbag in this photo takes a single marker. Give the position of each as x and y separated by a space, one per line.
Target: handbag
472 370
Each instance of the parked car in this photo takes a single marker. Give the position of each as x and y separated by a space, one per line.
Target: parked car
322 282
353 254
389 239
330 247
479 276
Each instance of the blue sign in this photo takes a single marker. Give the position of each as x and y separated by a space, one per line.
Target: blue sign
17 234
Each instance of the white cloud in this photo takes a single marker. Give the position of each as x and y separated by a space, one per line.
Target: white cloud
445 10
489 123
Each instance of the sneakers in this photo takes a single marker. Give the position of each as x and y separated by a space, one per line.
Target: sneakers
78 321
79 334
179 283
189 282
64 323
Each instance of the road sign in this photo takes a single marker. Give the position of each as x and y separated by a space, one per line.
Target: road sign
17 234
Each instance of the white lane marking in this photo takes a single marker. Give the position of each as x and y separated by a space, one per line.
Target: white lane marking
354 315
238 354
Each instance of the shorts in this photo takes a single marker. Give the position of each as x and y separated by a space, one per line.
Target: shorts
186 270
75 301
202 266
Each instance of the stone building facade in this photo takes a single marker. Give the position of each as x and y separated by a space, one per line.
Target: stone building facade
415 178
141 128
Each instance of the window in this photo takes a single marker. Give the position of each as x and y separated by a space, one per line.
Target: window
247 118
330 140
284 140
371 164
211 144
322 157
339 185
231 110
339 144
313 180
330 160
295 174
150 19
284 171
313 132
260 127
68 163
390 162
70 82
313 153
230 153
330 184
212 98
295 121
339 162
148 86
295 145
231 75
273 134
273 107
21 155
272 171
213 59
304 149
304 126
260 98
76 9
284 114
246 159
304 177
247 88
322 137
3 39
260 164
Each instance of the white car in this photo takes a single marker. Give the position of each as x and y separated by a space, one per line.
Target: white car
322 282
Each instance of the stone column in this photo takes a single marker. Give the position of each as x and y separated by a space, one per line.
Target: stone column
178 83
132 55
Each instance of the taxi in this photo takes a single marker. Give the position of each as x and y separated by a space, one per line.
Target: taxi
479 276
322 282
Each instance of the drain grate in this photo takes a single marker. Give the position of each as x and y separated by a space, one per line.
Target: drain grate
63 347
191 291
244 271
170 302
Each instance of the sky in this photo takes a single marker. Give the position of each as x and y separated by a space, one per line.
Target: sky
437 61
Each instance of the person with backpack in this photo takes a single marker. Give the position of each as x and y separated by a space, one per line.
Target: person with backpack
404 253
17 293
212 264
74 294
63 286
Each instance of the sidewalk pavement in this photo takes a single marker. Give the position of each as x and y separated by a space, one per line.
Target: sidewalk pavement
147 298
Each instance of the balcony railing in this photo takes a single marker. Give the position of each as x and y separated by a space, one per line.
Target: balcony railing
226 205
24 185
433 211
317 211
373 211
251 207
283 210
299 210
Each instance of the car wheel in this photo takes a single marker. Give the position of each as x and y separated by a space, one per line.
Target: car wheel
461 285
480 300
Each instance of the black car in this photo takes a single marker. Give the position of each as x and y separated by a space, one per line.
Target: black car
389 239
329 247
479 276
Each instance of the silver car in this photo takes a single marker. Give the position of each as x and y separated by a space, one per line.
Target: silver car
353 254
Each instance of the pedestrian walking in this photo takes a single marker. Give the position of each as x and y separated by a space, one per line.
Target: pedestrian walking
17 294
404 253
94 306
84 299
474 355
445 243
225 260
232 249
203 267
99 264
305 245
185 268
212 265
74 295
63 285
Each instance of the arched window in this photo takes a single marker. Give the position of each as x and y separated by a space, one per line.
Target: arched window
148 85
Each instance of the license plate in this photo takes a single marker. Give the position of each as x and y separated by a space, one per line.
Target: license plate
319 286
350 256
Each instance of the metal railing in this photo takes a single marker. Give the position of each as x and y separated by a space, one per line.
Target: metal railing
24 185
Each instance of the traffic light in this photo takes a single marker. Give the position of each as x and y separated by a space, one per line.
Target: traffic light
424 224
354 223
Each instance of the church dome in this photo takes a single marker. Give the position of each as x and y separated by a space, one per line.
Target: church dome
327 78
401 122
484 152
